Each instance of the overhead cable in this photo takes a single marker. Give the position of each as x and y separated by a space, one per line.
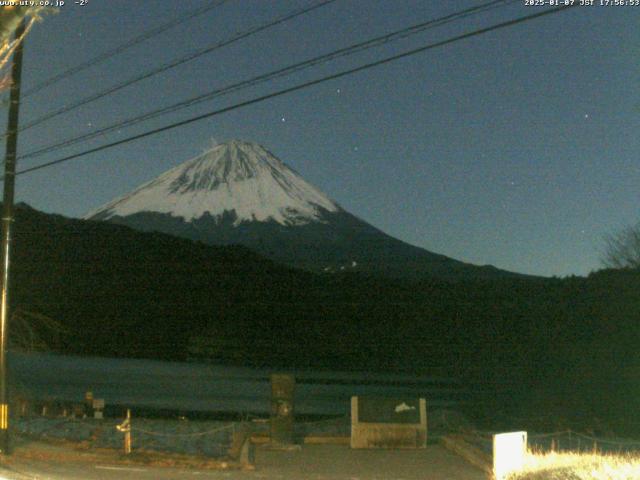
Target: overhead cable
301 86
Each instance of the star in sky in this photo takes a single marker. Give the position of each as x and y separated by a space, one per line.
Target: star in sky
453 101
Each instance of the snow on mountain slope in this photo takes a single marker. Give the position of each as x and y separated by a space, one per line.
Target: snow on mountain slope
238 193
238 177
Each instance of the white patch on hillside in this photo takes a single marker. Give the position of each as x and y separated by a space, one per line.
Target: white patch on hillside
238 177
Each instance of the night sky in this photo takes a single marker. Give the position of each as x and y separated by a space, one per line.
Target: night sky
518 148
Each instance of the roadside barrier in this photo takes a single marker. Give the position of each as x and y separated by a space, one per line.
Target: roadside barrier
570 440
481 448
199 438
212 439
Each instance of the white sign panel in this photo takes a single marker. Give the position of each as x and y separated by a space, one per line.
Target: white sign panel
509 450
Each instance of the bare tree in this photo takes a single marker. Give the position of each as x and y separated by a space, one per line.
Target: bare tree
10 17
622 249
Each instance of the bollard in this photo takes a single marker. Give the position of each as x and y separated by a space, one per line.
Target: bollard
88 404
98 408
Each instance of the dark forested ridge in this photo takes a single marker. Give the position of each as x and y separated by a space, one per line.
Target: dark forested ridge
339 242
564 344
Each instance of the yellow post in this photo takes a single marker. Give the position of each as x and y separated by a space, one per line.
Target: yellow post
4 416
127 434
125 427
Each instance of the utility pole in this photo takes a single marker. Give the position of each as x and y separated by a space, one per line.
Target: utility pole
7 220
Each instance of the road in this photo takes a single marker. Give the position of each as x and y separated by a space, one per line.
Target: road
312 462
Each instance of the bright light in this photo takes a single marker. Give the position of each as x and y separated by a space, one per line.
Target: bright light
508 453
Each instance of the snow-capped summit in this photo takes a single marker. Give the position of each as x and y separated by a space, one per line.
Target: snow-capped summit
236 178
240 193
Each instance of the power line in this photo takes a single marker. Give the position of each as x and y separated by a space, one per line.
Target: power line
180 61
300 87
350 50
125 46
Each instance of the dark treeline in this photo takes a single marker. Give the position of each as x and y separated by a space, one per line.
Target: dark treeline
530 345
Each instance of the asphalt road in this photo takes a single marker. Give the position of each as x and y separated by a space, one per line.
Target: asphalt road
312 462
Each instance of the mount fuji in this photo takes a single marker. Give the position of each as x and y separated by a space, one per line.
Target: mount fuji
240 193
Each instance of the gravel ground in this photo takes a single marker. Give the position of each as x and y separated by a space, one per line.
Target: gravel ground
312 462
316 462
92 451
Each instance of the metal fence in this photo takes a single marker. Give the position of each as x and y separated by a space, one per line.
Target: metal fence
51 400
563 441
571 441
212 439
204 439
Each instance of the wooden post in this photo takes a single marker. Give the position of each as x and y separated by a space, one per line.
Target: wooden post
125 427
282 391
127 434
88 404
7 220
